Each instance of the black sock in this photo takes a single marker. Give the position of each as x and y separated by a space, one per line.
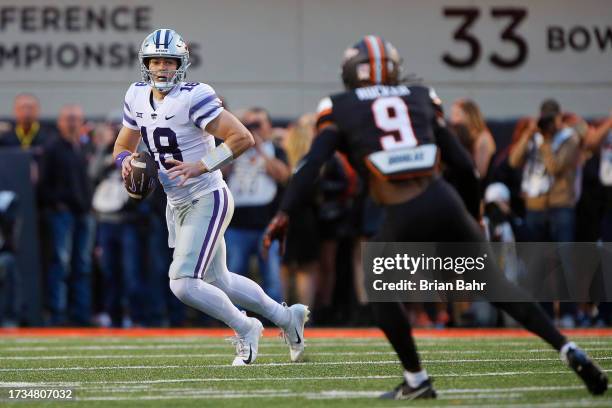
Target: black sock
393 320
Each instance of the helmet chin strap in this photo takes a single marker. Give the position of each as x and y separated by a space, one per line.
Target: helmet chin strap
163 89
165 86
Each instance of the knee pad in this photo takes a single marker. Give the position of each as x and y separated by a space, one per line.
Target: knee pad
182 267
180 288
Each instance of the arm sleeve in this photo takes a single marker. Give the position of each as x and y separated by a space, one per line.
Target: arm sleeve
128 115
324 114
308 169
436 103
205 105
453 154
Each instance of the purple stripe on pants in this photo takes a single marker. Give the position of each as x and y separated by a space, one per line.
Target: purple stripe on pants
213 218
218 229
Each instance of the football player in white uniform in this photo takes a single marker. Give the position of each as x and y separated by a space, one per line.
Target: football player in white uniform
177 120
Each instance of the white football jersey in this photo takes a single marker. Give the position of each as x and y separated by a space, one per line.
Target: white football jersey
176 130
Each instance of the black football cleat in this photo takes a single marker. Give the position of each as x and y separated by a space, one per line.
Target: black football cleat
595 380
406 392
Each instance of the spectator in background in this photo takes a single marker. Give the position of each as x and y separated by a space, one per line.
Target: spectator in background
367 217
589 189
581 129
480 143
548 152
600 140
27 133
337 185
502 224
588 211
300 260
66 192
10 285
256 179
117 236
465 137
508 175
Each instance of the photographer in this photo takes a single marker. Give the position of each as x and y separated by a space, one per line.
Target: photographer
548 154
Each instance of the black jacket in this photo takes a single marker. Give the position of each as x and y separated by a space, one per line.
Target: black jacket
63 177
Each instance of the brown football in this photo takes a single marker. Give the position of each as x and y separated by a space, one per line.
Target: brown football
143 178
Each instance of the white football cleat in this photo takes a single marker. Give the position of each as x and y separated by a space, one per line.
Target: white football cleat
294 334
246 347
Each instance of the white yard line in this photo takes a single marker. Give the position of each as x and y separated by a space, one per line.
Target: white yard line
257 379
305 364
510 389
193 380
229 354
453 391
308 395
309 352
312 344
175 346
168 366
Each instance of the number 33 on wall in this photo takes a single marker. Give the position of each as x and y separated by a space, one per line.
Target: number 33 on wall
509 34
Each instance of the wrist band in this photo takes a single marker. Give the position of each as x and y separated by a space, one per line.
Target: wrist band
120 157
217 157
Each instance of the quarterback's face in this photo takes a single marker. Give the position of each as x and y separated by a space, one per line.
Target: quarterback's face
162 67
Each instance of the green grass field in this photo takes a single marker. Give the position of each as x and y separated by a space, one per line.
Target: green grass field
195 372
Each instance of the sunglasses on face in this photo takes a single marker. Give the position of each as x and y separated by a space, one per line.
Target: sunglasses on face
256 125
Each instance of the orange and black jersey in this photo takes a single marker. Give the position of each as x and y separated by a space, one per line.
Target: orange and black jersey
394 132
382 118
373 111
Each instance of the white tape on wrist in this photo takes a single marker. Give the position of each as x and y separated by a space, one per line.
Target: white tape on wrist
218 157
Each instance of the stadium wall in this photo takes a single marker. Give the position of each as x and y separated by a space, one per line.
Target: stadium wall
285 54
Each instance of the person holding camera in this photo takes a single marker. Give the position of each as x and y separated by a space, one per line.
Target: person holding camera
548 153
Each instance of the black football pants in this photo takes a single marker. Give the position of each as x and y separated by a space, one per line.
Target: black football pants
438 215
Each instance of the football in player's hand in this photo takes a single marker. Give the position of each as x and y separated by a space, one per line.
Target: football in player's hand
142 179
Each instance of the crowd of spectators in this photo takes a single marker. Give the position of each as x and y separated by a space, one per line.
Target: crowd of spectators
105 257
